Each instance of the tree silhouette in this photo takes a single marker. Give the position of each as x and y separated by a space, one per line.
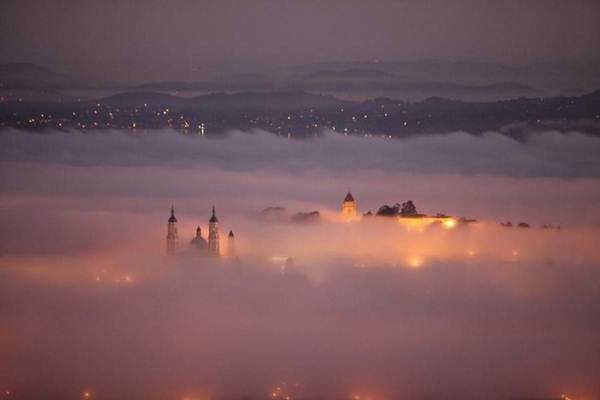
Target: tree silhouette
408 208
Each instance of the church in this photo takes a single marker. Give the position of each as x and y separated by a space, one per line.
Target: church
199 244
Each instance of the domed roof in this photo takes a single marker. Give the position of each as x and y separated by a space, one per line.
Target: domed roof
214 217
198 243
172 217
349 197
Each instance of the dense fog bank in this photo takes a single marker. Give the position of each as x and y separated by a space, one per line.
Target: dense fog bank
376 308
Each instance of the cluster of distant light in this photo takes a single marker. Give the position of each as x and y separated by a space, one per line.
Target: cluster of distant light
282 391
300 124
381 117
103 276
285 391
103 117
418 261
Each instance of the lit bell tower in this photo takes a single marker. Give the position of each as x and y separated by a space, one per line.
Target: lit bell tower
172 236
349 208
213 233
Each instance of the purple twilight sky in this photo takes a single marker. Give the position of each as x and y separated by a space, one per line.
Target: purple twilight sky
155 40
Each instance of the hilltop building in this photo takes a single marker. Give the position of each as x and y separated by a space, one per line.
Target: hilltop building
172 236
349 207
213 233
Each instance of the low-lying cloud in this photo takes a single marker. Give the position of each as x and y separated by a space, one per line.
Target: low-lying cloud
89 302
545 154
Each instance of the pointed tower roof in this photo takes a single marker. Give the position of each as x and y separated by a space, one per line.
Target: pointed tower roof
231 234
214 216
349 197
198 231
172 217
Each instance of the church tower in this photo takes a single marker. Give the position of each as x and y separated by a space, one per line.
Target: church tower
349 208
213 233
231 245
172 236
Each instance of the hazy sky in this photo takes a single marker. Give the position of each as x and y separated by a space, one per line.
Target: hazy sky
156 39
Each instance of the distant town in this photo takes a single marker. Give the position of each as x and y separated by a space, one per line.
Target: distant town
300 114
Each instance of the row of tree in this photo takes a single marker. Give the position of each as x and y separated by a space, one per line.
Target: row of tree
406 209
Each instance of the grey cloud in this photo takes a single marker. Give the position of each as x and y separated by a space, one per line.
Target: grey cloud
547 154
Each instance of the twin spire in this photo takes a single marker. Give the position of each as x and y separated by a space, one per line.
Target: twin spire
172 218
213 234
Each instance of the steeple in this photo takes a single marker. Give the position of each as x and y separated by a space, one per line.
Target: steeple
172 235
172 218
231 245
214 216
213 233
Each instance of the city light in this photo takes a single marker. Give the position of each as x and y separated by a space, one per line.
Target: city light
415 262
450 223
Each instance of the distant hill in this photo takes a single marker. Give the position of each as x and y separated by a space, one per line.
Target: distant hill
349 74
268 101
346 81
358 80
30 76
33 77
128 100
550 77
223 102
25 69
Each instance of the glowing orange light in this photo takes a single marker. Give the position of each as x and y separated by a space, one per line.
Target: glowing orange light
415 262
450 223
